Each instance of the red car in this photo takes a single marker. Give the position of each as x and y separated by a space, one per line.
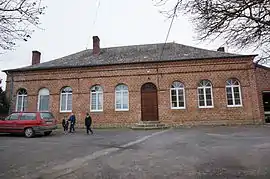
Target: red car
29 123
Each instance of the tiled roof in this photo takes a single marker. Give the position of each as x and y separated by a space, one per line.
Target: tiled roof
130 54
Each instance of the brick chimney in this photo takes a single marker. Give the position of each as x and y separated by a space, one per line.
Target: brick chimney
96 47
221 49
35 57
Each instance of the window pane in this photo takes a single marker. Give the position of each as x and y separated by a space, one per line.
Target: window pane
100 101
237 102
229 96
180 98
236 89
63 102
236 95
208 97
173 92
200 91
69 102
208 102
93 101
201 97
125 100
118 100
174 104
44 103
24 103
180 92
181 104
201 103
229 90
118 106
174 99
208 90
230 102
19 105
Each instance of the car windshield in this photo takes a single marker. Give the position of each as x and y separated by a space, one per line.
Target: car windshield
46 115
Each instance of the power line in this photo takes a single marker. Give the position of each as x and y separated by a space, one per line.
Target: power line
168 33
94 21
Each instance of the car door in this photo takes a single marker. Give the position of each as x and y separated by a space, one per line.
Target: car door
27 119
9 124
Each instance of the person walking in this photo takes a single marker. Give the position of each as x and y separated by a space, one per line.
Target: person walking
88 123
72 120
65 124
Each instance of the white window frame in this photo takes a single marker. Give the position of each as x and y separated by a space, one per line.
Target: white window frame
17 100
179 87
38 105
204 87
68 93
121 91
96 102
232 86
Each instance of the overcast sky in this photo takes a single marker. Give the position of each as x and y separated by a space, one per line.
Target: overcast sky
69 27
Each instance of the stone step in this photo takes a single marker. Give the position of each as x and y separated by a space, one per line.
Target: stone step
149 128
149 122
149 125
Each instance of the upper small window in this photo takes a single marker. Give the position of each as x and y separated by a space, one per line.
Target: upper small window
66 100
177 95
21 101
96 98
205 94
233 92
121 98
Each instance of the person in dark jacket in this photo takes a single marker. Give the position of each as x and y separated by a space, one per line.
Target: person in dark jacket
88 123
72 120
65 124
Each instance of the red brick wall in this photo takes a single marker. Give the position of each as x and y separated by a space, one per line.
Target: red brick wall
263 83
162 75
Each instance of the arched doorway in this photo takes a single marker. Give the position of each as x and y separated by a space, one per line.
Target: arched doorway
149 102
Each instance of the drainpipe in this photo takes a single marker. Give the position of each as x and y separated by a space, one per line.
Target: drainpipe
11 92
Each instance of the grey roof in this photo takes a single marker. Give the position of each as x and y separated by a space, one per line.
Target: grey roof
131 54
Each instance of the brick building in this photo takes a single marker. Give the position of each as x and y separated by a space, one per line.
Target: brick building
172 83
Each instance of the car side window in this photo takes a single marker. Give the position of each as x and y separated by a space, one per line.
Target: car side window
28 116
14 116
46 115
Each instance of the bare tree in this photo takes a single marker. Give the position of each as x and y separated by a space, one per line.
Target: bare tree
18 18
241 23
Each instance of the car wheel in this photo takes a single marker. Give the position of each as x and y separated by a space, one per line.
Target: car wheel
29 132
47 133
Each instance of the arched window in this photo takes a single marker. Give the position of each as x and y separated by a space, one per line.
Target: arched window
21 101
205 94
43 99
233 92
66 100
121 98
177 95
96 98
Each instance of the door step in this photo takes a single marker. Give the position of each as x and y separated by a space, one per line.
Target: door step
149 125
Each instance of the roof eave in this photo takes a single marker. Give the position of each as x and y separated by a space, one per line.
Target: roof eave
162 61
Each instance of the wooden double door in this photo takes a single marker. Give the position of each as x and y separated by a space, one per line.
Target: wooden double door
149 102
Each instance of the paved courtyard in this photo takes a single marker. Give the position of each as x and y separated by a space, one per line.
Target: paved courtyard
199 152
